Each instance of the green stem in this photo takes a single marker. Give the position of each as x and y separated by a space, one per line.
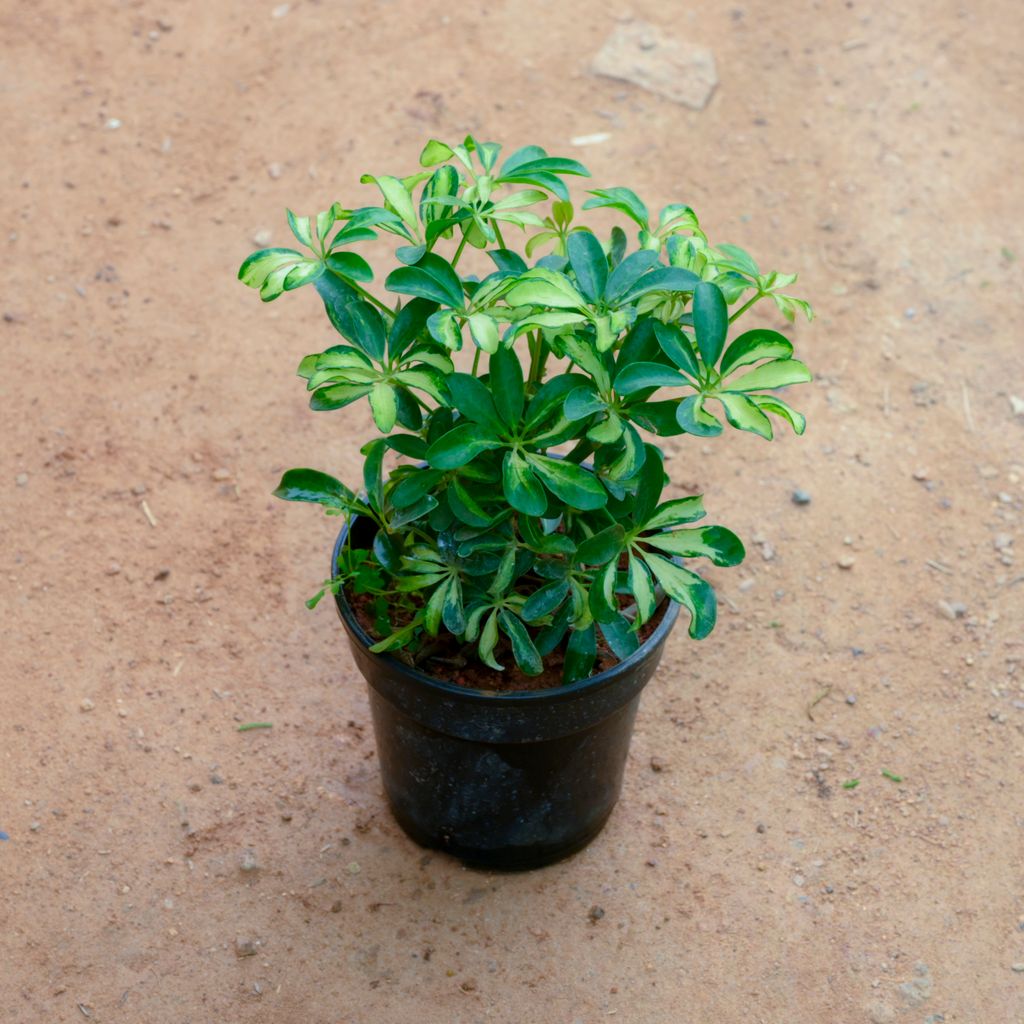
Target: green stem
476 360
373 298
739 312
458 251
497 233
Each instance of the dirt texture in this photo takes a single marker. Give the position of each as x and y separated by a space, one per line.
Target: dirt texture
162 866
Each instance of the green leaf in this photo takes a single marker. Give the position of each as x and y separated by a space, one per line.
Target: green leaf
432 278
624 200
507 259
435 606
408 325
266 270
776 374
692 592
582 402
676 512
435 152
722 546
601 547
396 195
620 638
544 601
628 272
413 512
738 259
522 488
460 445
754 346
710 321
506 385
466 507
695 419
337 396
366 329
472 398
523 650
642 589
580 654
384 407
677 347
601 599
589 264
301 228
349 265
744 415
308 270
373 473
573 484
453 613
641 376
484 330
769 403
663 279
650 486
544 287
488 641
314 486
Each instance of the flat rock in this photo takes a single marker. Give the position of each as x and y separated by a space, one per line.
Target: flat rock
642 54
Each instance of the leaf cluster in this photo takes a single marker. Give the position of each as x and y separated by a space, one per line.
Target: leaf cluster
524 508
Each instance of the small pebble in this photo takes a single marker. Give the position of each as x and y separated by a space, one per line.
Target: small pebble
262 237
801 497
657 765
846 562
139 489
1017 968
86 705
216 779
21 479
337 906
798 880
280 10
275 171
952 610
851 699
113 124
248 861
595 913
222 474
245 947
354 868
113 569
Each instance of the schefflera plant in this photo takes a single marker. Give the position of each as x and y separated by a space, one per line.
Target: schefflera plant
527 502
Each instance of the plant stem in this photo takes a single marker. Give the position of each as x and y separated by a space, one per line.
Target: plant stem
458 251
373 298
497 233
476 360
739 312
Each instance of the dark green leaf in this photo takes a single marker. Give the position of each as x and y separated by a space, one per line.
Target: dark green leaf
365 328
603 605
650 486
710 321
580 654
349 265
624 200
467 506
410 323
664 279
474 401
657 417
373 473
628 272
544 601
582 402
621 638
506 385
573 484
589 264
677 347
410 446
432 278
337 396
459 446
523 650
312 485
522 488
413 512
601 547
507 259
641 376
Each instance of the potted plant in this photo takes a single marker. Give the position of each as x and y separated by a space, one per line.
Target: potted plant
511 567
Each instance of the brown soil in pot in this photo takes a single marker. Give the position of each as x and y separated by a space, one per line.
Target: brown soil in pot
447 659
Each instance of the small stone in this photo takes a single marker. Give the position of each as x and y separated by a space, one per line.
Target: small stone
246 947
337 906
952 610
640 53
248 861
657 765
851 699
354 868
21 479
1017 405
1017 968
798 880
262 237
221 474
799 497
1002 541
761 829
920 474
216 779
595 913
275 171
113 124
139 489
767 551
86 704
846 562
280 10
35 826
113 569
988 472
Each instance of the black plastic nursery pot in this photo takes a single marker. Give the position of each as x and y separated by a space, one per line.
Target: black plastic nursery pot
509 781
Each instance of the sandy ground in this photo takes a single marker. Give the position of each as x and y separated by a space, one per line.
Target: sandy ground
874 147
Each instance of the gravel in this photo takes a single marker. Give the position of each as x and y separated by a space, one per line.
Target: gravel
800 497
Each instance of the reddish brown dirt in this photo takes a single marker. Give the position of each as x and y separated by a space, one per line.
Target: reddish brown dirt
873 147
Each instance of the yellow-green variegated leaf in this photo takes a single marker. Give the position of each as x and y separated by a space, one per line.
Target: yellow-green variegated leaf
543 287
776 374
484 329
396 195
384 407
255 270
741 413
